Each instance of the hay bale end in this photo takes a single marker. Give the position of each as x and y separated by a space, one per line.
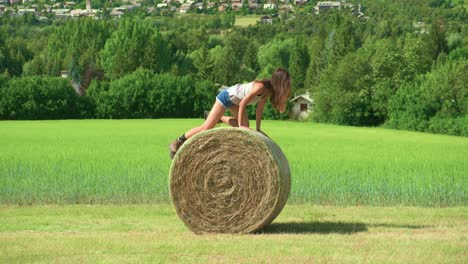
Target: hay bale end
229 180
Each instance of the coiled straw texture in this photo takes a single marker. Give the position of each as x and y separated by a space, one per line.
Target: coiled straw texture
229 180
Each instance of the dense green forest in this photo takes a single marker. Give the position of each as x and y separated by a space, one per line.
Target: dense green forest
403 65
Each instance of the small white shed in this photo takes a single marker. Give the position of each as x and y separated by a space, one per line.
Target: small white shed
302 106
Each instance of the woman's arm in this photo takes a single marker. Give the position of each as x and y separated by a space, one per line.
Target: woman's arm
259 112
256 89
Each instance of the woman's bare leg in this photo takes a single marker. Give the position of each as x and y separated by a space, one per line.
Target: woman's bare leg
215 114
234 120
231 120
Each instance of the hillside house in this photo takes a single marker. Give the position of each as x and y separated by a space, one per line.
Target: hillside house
236 5
222 7
253 6
47 8
61 13
116 13
25 11
266 20
184 8
286 8
321 7
69 4
75 13
269 6
64 74
302 106
198 6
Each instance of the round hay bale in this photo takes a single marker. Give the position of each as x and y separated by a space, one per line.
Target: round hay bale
229 180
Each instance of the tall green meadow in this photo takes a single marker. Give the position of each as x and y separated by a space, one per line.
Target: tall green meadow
127 162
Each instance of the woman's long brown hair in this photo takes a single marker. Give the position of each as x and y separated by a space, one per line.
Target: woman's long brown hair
280 85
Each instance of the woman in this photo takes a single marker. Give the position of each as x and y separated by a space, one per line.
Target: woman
236 98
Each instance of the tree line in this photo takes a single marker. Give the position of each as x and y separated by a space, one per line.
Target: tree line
403 67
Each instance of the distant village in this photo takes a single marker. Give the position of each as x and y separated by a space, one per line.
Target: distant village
67 9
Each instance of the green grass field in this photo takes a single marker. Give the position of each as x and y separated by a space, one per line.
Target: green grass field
127 162
244 21
301 234
100 163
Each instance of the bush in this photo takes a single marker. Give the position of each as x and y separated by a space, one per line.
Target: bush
451 126
42 98
343 94
144 94
436 102
269 112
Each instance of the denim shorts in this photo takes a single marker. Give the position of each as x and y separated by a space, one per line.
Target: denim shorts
223 99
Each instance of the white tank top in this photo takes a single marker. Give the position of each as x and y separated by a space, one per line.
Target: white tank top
240 91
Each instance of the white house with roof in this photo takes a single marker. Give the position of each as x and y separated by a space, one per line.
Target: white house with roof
302 106
199 6
75 12
23 11
326 5
69 4
61 13
115 13
266 20
236 5
269 6
185 7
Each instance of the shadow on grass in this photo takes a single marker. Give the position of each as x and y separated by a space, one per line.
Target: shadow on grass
314 228
399 226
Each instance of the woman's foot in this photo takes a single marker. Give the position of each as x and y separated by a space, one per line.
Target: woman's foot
174 147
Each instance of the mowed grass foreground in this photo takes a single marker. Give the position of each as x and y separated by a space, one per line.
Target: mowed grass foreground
127 161
301 234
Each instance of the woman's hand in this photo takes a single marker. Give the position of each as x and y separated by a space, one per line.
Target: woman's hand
244 127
